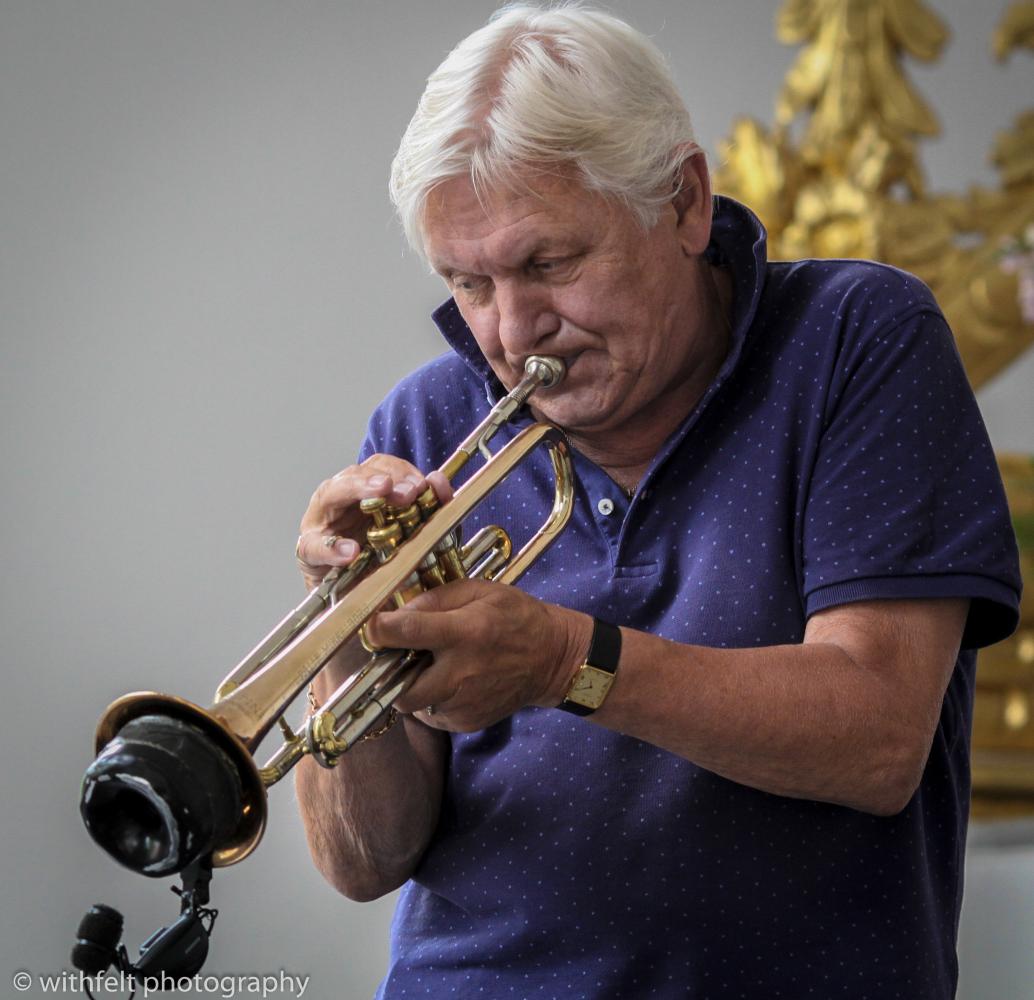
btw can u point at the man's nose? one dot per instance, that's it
(526, 317)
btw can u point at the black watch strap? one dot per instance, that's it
(595, 676)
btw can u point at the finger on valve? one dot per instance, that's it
(333, 520)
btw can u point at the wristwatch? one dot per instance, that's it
(595, 676)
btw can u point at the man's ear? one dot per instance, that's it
(692, 204)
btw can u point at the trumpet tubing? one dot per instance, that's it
(173, 782)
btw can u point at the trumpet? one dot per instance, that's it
(173, 783)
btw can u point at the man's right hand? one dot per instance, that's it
(333, 529)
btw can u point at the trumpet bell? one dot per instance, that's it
(170, 784)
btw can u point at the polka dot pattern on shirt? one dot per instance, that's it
(838, 456)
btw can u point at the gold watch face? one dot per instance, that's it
(590, 686)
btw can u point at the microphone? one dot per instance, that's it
(174, 952)
(97, 944)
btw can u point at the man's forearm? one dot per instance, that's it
(845, 716)
(369, 819)
(807, 721)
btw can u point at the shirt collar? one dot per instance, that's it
(738, 242)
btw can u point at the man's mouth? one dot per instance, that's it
(569, 361)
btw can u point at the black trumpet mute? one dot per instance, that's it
(160, 795)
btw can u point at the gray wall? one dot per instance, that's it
(202, 295)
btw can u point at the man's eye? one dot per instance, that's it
(551, 266)
(470, 287)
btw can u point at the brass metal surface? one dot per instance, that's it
(406, 551)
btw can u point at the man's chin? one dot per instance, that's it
(571, 414)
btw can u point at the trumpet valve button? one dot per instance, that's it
(427, 502)
(384, 539)
(409, 517)
(375, 507)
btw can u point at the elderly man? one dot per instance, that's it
(789, 537)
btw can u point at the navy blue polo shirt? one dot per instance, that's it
(838, 456)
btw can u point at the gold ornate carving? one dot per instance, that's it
(838, 175)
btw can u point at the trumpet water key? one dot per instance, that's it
(174, 782)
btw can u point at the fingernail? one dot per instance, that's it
(347, 547)
(376, 482)
(440, 484)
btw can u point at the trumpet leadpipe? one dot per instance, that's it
(174, 782)
(251, 709)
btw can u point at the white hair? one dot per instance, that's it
(555, 88)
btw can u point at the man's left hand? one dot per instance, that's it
(496, 650)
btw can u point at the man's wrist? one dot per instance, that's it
(594, 678)
(575, 636)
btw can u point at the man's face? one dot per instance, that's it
(567, 272)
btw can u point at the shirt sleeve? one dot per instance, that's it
(906, 500)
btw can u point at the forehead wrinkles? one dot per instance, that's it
(505, 227)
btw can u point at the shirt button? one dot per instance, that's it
(605, 507)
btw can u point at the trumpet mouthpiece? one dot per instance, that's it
(548, 370)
